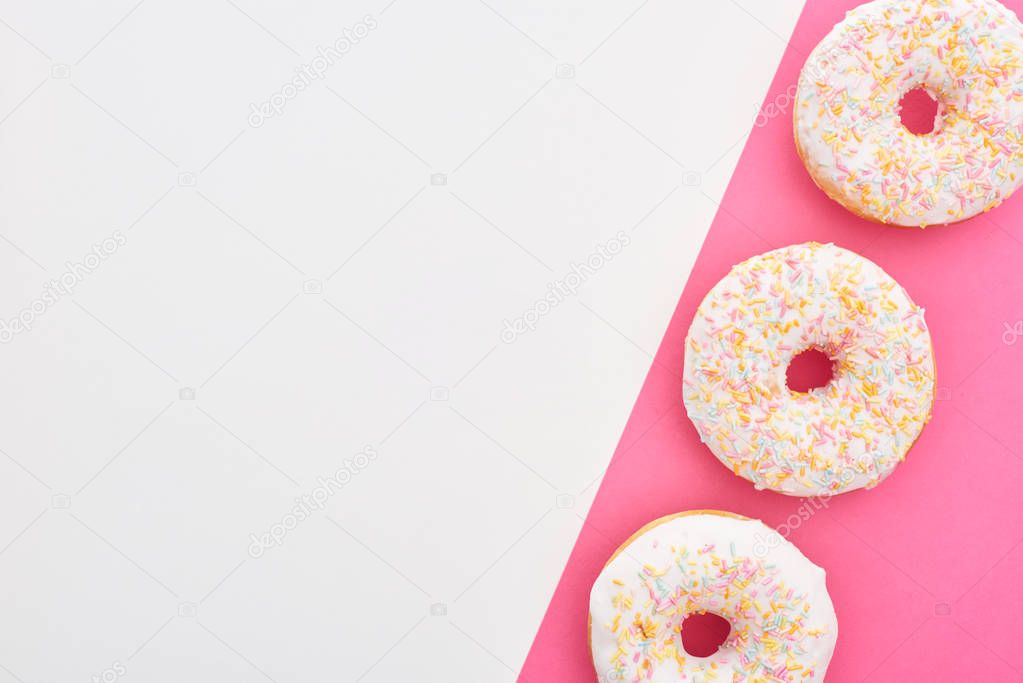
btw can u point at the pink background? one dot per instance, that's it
(925, 570)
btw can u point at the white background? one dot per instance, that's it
(335, 279)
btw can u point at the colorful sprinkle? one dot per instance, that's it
(968, 54)
(848, 434)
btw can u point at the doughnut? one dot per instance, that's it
(846, 435)
(968, 55)
(783, 623)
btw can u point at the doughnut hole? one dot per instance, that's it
(809, 370)
(920, 112)
(703, 634)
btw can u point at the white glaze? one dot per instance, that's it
(966, 53)
(846, 435)
(783, 621)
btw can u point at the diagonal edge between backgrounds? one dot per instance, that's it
(549, 628)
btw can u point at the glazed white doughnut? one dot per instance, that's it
(848, 434)
(968, 54)
(783, 622)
